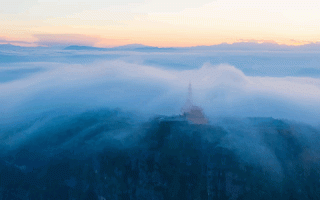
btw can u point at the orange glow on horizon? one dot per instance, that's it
(160, 23)
(84, 40)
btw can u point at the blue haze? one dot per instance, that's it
(95, 123)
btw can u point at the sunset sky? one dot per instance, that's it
(162, 23)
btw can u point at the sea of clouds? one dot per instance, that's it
(45, 99)
(222, 90)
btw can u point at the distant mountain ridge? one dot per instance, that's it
(130, 47)
(258, 46)
(242, 46)
(239, 46)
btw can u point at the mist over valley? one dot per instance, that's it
(87, 123)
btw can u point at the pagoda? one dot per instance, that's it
(193, 113)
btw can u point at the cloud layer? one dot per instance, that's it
(222, 90)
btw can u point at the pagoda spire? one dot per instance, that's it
(192, 112)
(189, 103)
(190, 93)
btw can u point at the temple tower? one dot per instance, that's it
(193, 113)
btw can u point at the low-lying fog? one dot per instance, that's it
(102, 108)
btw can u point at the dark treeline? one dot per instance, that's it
(105, 155)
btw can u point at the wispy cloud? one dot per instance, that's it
(221, 90)
(65, 39)
(4, 40)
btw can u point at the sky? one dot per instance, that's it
(164, 23)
